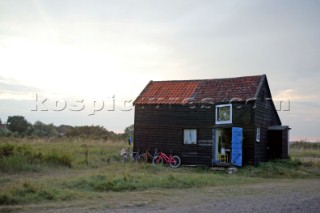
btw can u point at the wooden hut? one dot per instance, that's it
(211, 122)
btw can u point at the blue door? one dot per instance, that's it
(236, 146)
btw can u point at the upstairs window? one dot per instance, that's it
(224, 114)
(189, 136)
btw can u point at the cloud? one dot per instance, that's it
(296, 96)
(11, 89)
(93, 50)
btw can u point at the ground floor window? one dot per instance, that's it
(190, 136)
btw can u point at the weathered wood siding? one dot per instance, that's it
(162, 128)
(243, 116)
(265, 115)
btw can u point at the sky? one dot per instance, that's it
(80, 62)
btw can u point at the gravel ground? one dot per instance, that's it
(271, 196)
(291, 196)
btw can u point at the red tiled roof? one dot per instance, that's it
(214, 90)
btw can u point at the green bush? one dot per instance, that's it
(30, 192)
(305, 145)
(6, 150)
(274, 169)
(7, 200)
(57, 158)
(4, 132)
(16, 163)
(21, 158)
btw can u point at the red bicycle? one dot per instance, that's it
(174, 161)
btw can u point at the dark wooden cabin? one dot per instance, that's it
(211, 122)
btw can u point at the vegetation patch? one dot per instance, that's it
(275, 169)
(22, 158)
(304, 162)
(305, 149)
(77, 168)
(30, 192)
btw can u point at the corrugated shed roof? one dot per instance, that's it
(216, 90)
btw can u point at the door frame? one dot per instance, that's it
(215, 146)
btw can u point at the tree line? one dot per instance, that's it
(18, 126)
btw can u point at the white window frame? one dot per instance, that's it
(190, 136)
(229, 121)
(258, 135)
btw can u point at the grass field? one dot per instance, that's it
(56, 170)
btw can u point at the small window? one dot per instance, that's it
(190, 136)
(224, 114)
(258, 135)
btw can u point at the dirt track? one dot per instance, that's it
(272, 196)
(291, 196)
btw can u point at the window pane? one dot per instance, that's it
(190, 136)
(258, 135)
(224, 114)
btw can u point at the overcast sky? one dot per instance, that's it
(94, 51)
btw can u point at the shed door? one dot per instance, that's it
(274, 144)
(236, 146)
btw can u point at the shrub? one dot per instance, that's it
(16, 163)
(304, 145)
(7, 200)
(274, 169)
(56, 158)
(15, 158)
(6, 150)
(4, 132)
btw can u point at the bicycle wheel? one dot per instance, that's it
(175, 162)
(142, 159)
(157, 160)
(124, 158)
(135, 157)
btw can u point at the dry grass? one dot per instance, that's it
(102, 172)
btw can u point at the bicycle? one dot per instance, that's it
(148, 156)
(125, 155)
(137, 157)
(174, 160)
